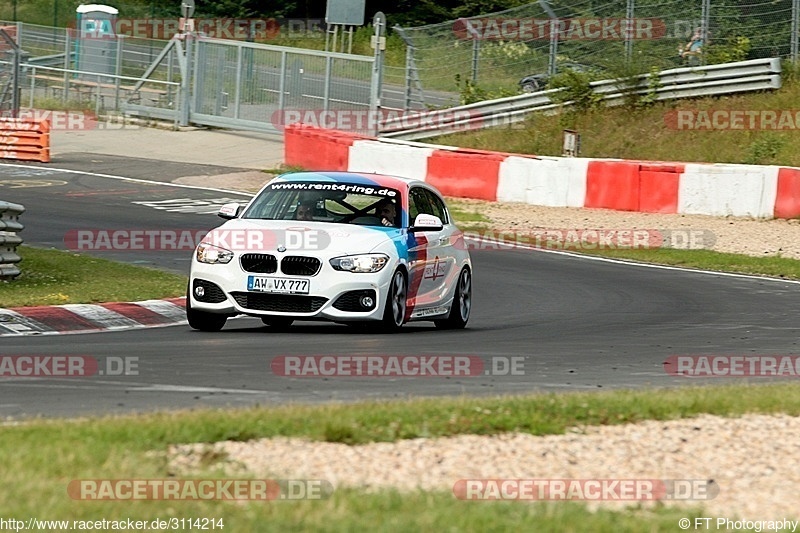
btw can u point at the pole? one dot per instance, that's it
(379, 24)
(795, 23)
(629, 30)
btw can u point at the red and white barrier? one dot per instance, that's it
(645, 186)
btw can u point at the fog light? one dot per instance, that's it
(199, 291)
(367, 302)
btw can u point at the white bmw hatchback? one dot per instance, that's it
(338, 246)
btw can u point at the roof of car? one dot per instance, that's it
(361, 178)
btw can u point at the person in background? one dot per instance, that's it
(694, 48)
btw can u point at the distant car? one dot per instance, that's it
(371, 249)
(538, 82)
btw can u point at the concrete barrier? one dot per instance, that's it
(646, 186)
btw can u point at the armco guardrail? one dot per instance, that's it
(9, 240)
(691, 82)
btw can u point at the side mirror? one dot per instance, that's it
(229, 211)
(426, 223)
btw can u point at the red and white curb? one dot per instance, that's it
(84, 318)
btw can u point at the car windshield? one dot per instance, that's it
(338, 203)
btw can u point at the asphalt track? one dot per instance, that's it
(577, 323)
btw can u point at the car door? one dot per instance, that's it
(431, 258)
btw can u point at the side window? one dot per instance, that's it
(417, 203)
(437, 206)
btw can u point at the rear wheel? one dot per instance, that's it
(202, 320)
(394, 314)
(462, 304)
(277, 322)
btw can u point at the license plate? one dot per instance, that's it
(278, 285)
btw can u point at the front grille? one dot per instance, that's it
(213, 294)
(259, 263)
(349, 301)
(279, 303)
(297, 265)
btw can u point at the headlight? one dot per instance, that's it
(208, 253)
(360, 263)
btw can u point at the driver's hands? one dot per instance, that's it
(386, 222)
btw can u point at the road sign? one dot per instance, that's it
(187, 8)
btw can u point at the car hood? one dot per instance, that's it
(316, 238)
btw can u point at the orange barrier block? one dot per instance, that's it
(465, 174)
(787, 201)
(27, 140)
(317, 149)
(658, 188)
(613, 185)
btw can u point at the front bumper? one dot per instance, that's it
(333, 295)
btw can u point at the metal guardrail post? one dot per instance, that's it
(9, 240)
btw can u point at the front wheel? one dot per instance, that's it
(462, 304)
(203, 321)
(394, 314)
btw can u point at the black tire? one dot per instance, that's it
(530, 87)
(394, 312)
(203, 321)
(462, 303)
(277, 322)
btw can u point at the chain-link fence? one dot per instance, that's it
(9, 72)
(618, 38)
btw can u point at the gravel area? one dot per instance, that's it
(752, 458)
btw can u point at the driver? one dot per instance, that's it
(387, 212)
(305, 210)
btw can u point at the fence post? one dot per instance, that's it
(379, 25)
(554, 33)
(118, 71)
(629, 30)
(186, 78)
(706, 16)
(282, 81)
(237, 98)
(795, 24)
(326, 91)
(476, 52)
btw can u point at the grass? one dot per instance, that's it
(772, 266)
(51, 277)
(39, 458)
(648, 133)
